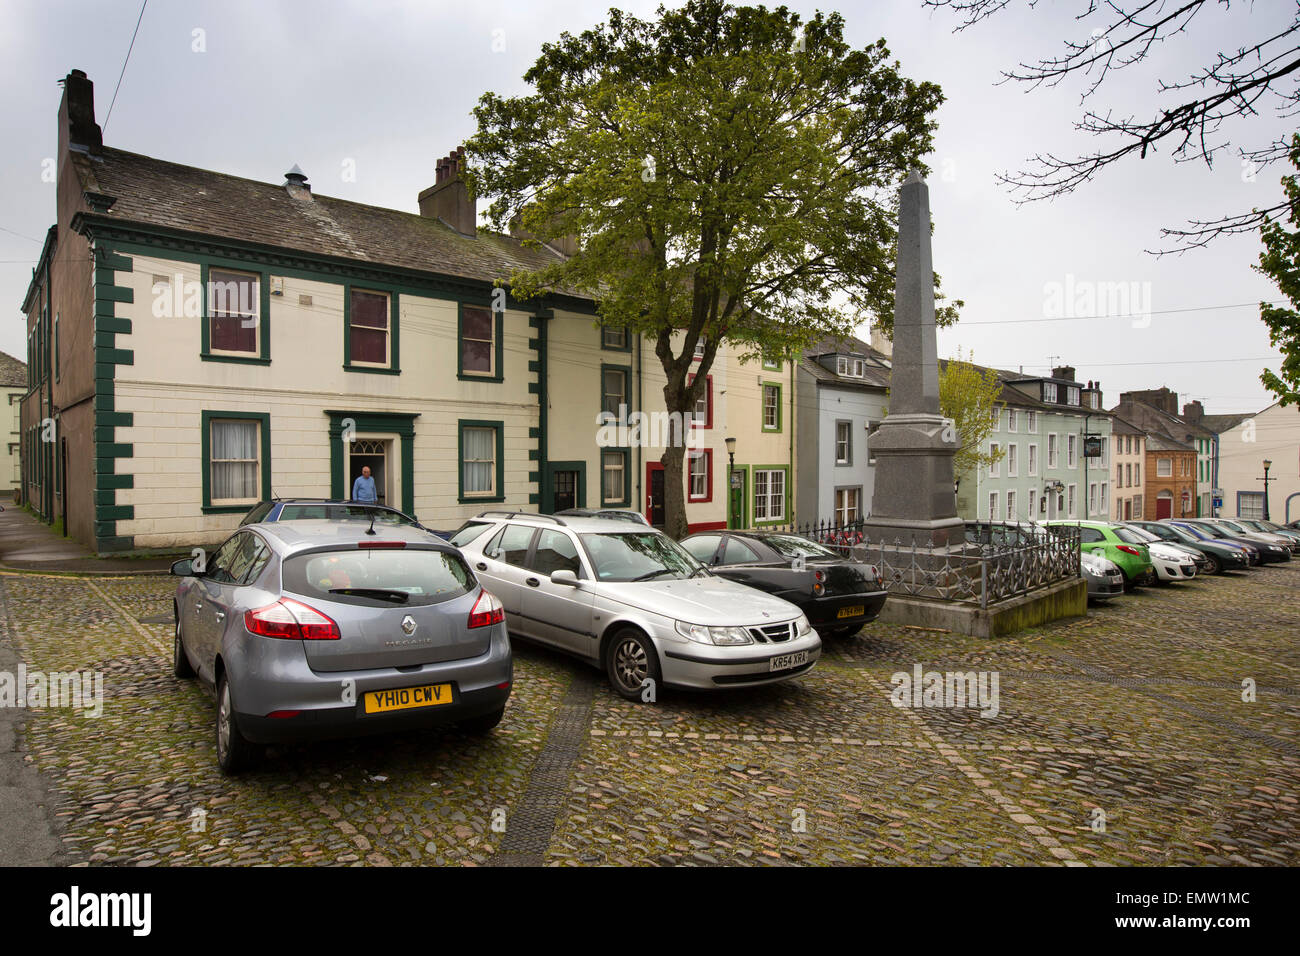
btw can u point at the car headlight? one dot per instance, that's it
(802, 627)
(718, 636)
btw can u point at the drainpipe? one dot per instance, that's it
(640, 366)
(793, 476)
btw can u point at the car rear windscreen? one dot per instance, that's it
(425, 576)
(468, 532)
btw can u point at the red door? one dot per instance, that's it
(1164, 508)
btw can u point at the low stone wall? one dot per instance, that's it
(1064, 599)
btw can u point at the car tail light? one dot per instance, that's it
(1127, 549)
(292, 621)
(378, 545)
(487, 611)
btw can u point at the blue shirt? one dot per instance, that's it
(363, 489)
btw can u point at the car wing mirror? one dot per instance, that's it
(184, 569)
(567, 578)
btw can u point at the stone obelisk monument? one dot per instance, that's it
(914, 498)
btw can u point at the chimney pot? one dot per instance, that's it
(448, 199)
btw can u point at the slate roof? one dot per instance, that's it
(13, 372)
(1218, 424)
(155, 192)
(874, 377)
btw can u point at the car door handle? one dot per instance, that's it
(482, 566)
(532, 582)
(221, 615)
(198, 605)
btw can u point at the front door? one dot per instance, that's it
(372, 453)
(1164, 508)
(655, 499)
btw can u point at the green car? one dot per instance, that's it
(1118, 544)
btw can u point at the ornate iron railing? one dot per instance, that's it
(996, 562)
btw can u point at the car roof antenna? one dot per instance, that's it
(372, 523)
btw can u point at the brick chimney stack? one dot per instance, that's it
(448, 199)
(77, 127)
(1193, 412)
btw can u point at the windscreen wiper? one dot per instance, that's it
(379, 594)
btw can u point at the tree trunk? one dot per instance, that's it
(674, 492)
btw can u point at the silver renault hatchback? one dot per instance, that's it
(335, 628)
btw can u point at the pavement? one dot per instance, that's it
(27, 544)
(1161, 729)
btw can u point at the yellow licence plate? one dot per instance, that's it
(856, 610)
(406, 698)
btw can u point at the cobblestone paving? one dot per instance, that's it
(1121, 738)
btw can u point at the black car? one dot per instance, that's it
(1221, 557)
(837, 595)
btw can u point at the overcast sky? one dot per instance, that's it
(388, 87)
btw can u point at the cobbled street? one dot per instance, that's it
(1121, 738)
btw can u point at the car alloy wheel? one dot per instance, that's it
(234, 751)
(632, 660)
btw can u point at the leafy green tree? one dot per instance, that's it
(967, 395)
(1280, 261)
(728, 175)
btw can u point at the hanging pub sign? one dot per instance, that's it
(1091, 446)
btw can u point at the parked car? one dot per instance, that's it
(307, 629)
(1237, 527)
(1268, 527)
(1171, 561)
(1121, 545)
(635, 603)
(617, 514)
(1105, 579)
(1219, 556)
(326, 509)
(837, 595)
(1253, 550)
(1269, 551)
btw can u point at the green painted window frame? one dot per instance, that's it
(626, 500)
(753, 494)
(626, 371)
(772, 365)
(627, 341)
(762, 408)
(394, 366)
(498, 350)
(500, 427)
(263, 356)
(207, 416)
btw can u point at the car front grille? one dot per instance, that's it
(772, 633)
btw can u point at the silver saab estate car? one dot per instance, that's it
(312, 629)
(635, 603)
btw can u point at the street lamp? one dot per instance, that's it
(1266, 479)
(732, 518)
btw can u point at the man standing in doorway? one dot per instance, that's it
(363, 489)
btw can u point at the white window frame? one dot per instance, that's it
(1012, 419)
(1031, 422)
(993, 506)
(995, 467)
(1072, 500)
(1011, 504)
(1033, 460)
(1013, 462)
(1049, 392)
(1164, 467)
(846, 442)
(1071, 451)
(1053, 451)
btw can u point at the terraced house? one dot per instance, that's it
(1046, 426)
(200, 342)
